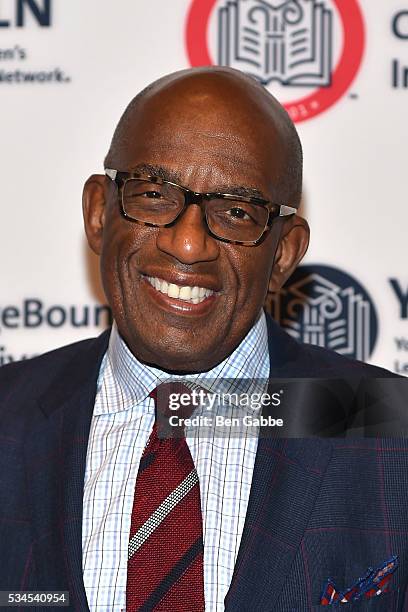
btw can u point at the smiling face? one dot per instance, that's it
(182, 299)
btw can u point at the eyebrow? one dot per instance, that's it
(173, 177)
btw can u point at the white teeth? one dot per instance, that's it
(173, 291)
(185, 293)
(194, 295)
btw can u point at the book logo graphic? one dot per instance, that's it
(306, 52)
(324, 306)
(288, 42)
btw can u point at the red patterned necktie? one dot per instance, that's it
(165, 555)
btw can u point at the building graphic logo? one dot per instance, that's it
(290, 43)
(287, 42)
(324, 306)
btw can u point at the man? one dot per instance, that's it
(87, 487)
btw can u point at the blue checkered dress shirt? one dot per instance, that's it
(122, 420)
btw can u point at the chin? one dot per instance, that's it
(177, 359)
(180, 362)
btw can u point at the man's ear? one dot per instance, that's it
(292, 247)
(93, 209)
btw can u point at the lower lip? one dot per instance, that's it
(181, 307)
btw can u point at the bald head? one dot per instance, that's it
(219, 103)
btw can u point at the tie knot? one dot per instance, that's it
(174, 403)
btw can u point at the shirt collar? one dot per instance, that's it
(135, 380)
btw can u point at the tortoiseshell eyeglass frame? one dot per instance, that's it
(120, 178)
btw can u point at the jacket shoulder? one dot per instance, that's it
(325, 359)
(37, 373)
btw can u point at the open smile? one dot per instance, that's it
(185, 299)
(194, 295)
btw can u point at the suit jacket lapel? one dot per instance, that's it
(56, 460)
(286, 481)
(287, 478)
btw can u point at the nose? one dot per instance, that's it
(188, 240)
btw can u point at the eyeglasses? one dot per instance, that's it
(152, 201)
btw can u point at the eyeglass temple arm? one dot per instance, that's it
(111, 173)
(284, 211)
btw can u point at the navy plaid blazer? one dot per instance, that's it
(319, 508)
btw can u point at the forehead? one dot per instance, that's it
(196, 157)
(206, 138)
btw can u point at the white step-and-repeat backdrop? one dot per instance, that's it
(69, 68)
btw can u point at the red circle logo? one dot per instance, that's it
(284, 41)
